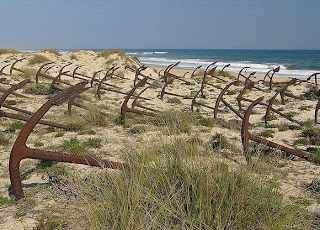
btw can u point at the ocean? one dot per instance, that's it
(293, 63)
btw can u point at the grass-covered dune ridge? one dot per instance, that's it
(179, 185)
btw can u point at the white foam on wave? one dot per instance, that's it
(234, 67)
(29, 50)
(147, 53)
(160, 52)
(63, 52)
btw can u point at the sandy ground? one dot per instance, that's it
(294, 175)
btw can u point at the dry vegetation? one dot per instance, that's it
(54, 52)
(187, 170)
(38, 59)
(8, 51)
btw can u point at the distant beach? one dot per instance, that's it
(293, 63)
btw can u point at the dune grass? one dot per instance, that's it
(73, 57)
(175, 122)
(28, 73)
(179, 186)
(54, 52)
(9, 51)
(38, 59)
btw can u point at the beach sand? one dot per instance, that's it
(293, 175)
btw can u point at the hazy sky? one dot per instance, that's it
(245, 24)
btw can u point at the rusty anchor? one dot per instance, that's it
(67, 74)
(93, 78)
(315, 77)
(242, 75)
(275, 70)
(159, 73)
(246, 136)
(13, 93)
(168, 79)
(61, 71)
(221, 99)
(316, 112)
(10, 91)
(282, 94)
(21, 151)
(53, 79)
(167, 74)
(249, 86)
(52, 87)
(138, 73)
(2, 70)
(125, 109)
(204, 79)
(14, 68)
(39, 72)
(194, 102)
(114, 89)
(222, 70)
(194, 71)
(75, 74)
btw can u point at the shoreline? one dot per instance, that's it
(182, 71)
(292, 65)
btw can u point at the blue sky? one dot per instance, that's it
(231, 24)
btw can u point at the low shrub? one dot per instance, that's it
(73, 146)
(59, 135)
(313, 93)
(174, 100)
(267, 133)
(38, 144)
(38, 59)
(36, 89)
(93, 143)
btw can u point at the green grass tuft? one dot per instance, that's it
(171, 187)
(73, 146)
(302, 141)
(49, 222)
(93, 143)
(60, 134)
(38, 59)
(38, 144)
(312, 93)
(16, 125)
(5, 200)
(137, 129)
(313, 134)
(36, 89)
(267, 133)
(87, 132)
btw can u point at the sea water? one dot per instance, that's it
(293, 63)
